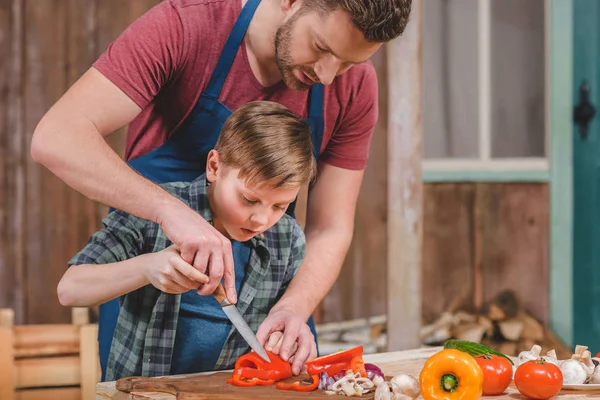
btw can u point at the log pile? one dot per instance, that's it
(502, 325)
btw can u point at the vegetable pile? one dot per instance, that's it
(343, 373)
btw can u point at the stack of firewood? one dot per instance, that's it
(502, 325)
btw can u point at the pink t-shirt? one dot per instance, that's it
(164, 61)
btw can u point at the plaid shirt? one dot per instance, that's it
(145, 333)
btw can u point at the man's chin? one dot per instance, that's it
(294, 83)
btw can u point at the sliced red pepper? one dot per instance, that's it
(299, 386)
(334, 363)
(251, 370)
(241, 381)
(332, 370)
(358, 365)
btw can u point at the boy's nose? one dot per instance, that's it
(259, 220)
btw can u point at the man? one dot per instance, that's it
(175, 75)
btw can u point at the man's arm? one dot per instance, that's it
(69, 141)
(329, 229)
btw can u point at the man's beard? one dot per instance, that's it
(284, 58)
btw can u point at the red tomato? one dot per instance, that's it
(538, 379)
(497, 373)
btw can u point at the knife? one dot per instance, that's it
(240, 324)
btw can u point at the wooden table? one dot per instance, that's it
(408, 361)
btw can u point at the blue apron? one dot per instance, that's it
(183, 156)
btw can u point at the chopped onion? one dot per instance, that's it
(373, 370)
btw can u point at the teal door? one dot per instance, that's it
(586, 174)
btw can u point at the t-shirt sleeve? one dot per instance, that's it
(147, 54)
(349, 145)
(121, 238)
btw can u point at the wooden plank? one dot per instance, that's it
(12, 153)
(560, 111)
(89, 361)
(46, 340)
(514, 229)
(73, 393)
(81, 53)
(358, 291)
(447, 247)
(33, 335)
(47, 221)
(7, 371)
(405, 147)
(7, 318)
(51, 371)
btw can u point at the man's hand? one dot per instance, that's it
(288, 335)
(201, 246)
(167, 272)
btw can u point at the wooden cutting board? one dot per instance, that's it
(214, 386)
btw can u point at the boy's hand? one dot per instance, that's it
(169, 273)
(201, 246)
(288, 335)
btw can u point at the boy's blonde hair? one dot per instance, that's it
(267, 143)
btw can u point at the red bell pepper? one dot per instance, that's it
(251, 370)
(300, 386)
(334, 363)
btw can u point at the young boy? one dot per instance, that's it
(262, 158)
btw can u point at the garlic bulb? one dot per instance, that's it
(574, 372)
(528, 355)
(595, 376)
(552, 358)
(405, 384)
(400, 387)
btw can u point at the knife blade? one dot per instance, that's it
(239, 323)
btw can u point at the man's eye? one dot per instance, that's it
(321, 49)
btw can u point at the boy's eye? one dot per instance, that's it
(281, 208)
(247, 200)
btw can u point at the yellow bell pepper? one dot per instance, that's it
(451, 375)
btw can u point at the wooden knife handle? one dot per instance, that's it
(219, 294)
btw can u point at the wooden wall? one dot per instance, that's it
(45, 45)
(479, 238)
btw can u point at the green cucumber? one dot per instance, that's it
(472, 348)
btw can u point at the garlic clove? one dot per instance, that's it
(405, 384)
(383, 392)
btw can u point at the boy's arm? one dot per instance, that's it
(119, 247)
(99, 272)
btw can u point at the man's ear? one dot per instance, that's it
(212, 166)
(289, 5)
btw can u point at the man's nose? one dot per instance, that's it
(327, 68)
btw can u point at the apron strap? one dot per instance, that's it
(230, 49)
(315, 114)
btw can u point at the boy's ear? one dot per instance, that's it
(212, 166)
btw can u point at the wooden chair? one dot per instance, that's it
(52, 362)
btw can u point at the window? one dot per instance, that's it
(484, 85)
